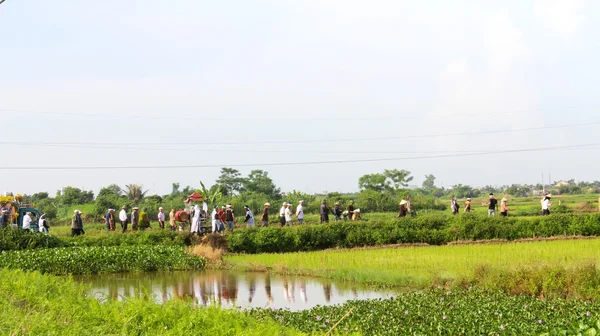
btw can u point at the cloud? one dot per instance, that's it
(487, 91)
(504, 43)
(562, 17)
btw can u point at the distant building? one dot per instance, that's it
(561, 183)
(538, 193)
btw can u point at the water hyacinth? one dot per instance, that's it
(411, 313)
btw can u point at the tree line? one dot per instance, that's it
(378, 192)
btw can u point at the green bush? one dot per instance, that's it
(160, 237)
(16, 239)
(92, 260)
(433, 229)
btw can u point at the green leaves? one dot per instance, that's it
(99, 259)
(443, 312)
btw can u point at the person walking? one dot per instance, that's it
(43, 224)
(282, 214)
(172, 220)
(324, 212)
(230, 217)
(108, 219)
(135, 219)
(215, 219)
(195, 227)
(454, 205)
(546, 205)
(300, 212)
(123, 218)
(288, 215)
(264, 219)
(403, 209)
(337, 211)
(27, 222)
(249, 219)
(76, 224)
(161, 218)
(492, 205)
(144, 220)
(3, 218)
(351, 210)
(468, 205)
(504, 207)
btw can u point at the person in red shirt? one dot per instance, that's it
(222, 216)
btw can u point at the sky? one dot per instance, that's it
(316, 92)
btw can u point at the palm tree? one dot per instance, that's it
(134, 193)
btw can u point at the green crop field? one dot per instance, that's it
(498, 266)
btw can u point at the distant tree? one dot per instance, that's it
(429, 182)
(175, 189)
(390, 181)
(517, 191)
(230, 181)
(72, 196)
(35, 198)
(258, 181)
(112, 189)
(463, 191)
(374, 182)
(399, 178)
(135, 193)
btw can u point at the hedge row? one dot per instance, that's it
(92, 260)
(430, 229)
(12, 239)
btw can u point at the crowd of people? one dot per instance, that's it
(221, 218)
(224, 218)
(493, 206)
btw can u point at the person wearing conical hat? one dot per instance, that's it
(403, 209)
(504, 207)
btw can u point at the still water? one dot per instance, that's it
(230, 289)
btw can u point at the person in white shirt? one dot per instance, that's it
(288, 215)
(249, 219)
(300, 212)
(42, 225)
(196, 220)
(546, 205)
(161, 218)
(282, 214)
(27, 221)
(123, 218)
(215, 219)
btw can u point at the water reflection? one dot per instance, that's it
(229, 289)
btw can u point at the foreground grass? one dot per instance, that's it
(35, 304)
(548, 268)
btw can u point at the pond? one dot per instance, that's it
(230, 289)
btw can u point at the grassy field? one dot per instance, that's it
(35, 304)
(547, 264)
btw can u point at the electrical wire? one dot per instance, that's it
(404, 137)
(300, 163)
(412, 116)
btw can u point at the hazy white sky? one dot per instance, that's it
(159, 72)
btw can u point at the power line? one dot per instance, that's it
(371, 118)
(245, 150)
(405, 137)
(301, 163)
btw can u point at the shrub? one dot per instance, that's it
(433, 229)
(16, 239)
(92, 260)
